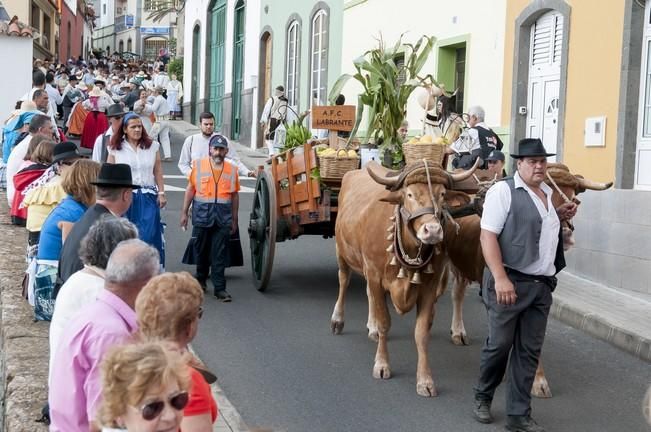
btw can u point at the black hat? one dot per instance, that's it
(65, 150)
(115, 175)
(218, 141)
(495, 155)
(280, 88)
(99, 81)
(115, 110)
(531, 147)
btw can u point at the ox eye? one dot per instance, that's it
(410, 195)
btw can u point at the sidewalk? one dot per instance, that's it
(620, 318)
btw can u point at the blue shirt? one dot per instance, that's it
(50, 243)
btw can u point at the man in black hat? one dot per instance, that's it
(520, 239)
(114, 113)
(114, 189)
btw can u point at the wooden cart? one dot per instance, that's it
(289, 201)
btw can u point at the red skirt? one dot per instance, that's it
(94, 125)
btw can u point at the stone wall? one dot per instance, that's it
(24, 347)
(613, 239)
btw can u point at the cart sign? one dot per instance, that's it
(335, 117)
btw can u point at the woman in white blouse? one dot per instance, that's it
(132, 146)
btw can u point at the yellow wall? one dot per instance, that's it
(593, 79)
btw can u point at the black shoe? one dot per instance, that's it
(523, 424)
(223, 296)
(482, 411)
(202, 282)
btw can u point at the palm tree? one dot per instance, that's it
(166, 7)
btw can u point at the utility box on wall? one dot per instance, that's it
(595, 132)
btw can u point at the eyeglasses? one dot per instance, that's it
(200, 312)
(152, 410)
(66, 162)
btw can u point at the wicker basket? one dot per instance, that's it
(418, 152)
(337, 166)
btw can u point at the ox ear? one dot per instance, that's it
(392, 198)
(456, 198)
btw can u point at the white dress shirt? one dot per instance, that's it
(53, 94)
(197, 147)
(97, 147)
(468, 141)
(496, 209)
(160, 106)
(140, 160)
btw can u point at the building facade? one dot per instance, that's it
(75, 29)
(300, 46)
(43, 16)
(468, 55)
(125, 26)
(221, 68)
(587, 95)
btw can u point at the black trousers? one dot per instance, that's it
(515, 337)
(211, 253)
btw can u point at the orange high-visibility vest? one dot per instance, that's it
(213, 185)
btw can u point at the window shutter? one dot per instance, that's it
(547, 39)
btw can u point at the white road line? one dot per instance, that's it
(169, 188)
(174, 176)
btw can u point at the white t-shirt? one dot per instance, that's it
(13, 165)
(140, 160)
(78, 291)
(196, 147)
(496, 209)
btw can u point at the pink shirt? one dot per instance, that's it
(75, 384)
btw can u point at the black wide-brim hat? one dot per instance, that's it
(64, 151)
(115, 110)
(115, 176)
(531, 147)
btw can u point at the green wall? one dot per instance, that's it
(276, 14)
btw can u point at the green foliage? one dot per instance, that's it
(176, 67)
(387, 85)
(296, 135)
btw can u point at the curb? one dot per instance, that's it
(24, 344)
(597, 326)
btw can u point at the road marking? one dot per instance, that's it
(173, 176)
(170, 188)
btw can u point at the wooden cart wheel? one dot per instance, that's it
(262, 230)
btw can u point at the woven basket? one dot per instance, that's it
(418, 152)
(337, 166)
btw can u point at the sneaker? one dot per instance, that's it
(523, 424)
(223, 296)
(482, 411)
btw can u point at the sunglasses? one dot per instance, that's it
(200, 312)
(152, 410)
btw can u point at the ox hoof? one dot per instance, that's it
(381, 371)
(373, 335)
(460, 339)
(426, 388)
(540, 389)
(337, 327)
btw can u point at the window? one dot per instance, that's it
(47, 32)
(104, 9)
(293, 40)
(36, 17)
(646, 109)
(129, 45)
(459, 77)
(121, 46)
(319, 57)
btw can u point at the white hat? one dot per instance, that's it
(95, 92)
(82, 86)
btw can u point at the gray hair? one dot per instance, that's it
(111, 194)
(103, 237)
(132, 261)
(478, 112)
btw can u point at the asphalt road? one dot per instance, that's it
(281, 367)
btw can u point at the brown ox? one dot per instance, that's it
(464, 251)
(413, 211)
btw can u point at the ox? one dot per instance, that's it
(464, 251)
(404, 259)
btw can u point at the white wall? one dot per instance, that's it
(16, 80)
(484, 20)
(195, 12)
(108, 18)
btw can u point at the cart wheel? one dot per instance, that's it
(262, 230)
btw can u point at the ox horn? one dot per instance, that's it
(384, 181)
(593, 185)
(463, 175)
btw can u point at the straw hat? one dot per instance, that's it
(95, 92)
(82, 86)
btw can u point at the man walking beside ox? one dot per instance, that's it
(520, 239)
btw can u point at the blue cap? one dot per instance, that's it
(218, 141)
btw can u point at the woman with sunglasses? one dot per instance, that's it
(132, 145)
(144, 388)
(169, 308)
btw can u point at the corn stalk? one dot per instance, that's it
(387, 85)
